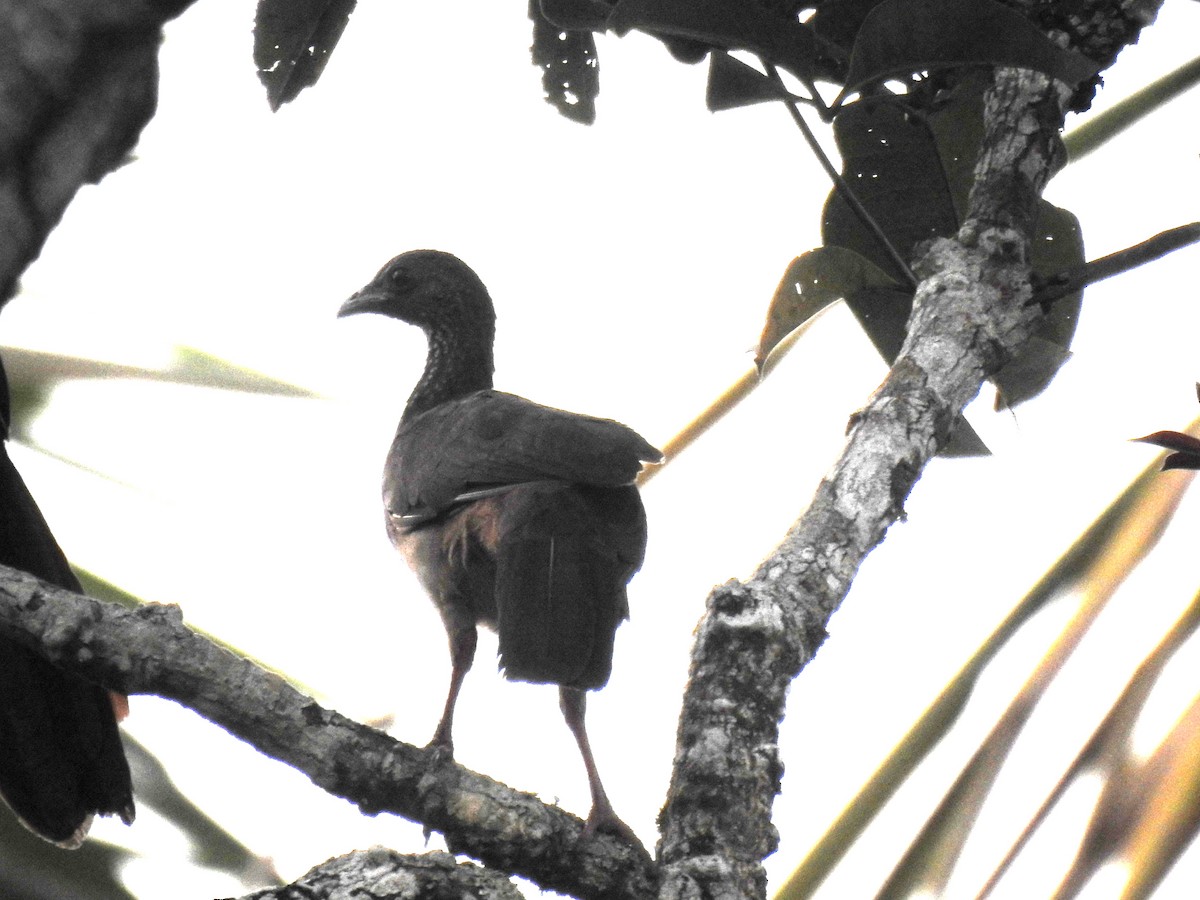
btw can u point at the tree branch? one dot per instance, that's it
(1121, 261)
(394, 876)
(150, 651)
(969, 317)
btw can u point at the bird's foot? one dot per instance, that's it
(603, 819)
(440, 750)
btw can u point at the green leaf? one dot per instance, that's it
(811, 283)
(292, 42)
(211, 845)
(1096, 566)
(198, 367)
(1128, 807)
(1099, 129)
(900, 37)
(730, 24)
(732, 83)
(33, 373)
(570, 67)
(1097, 562)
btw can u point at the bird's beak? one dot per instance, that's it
(363, 301)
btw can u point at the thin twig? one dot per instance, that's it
(1064, 283)
(839, 182)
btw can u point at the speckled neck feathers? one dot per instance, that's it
(459, 361)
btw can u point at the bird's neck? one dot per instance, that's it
(458, 364)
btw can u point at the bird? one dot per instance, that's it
(515, 516)
(61, 758)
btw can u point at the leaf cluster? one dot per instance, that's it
(907, 118)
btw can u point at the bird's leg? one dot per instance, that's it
(462, 654)
(573, 703)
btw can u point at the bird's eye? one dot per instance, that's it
(399, 277)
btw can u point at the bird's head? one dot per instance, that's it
(427, 288)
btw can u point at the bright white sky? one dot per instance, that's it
(631, 264)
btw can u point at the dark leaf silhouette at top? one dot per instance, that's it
(732, 83)
(570, 67)
(839, 21)
(905, 36)
(890, 161)
(571, 15)
(730, 24)
(292, 42)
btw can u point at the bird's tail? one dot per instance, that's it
(560, 581)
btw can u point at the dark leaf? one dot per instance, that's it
(890, 161)
(1188, 447)
(883, 314)
(914, 175)
(685, 50)
(730, 24)
(732, 83)
(574, 15)
(1172, 440)
(570, 67)
(900, 37)
(1181, 461)
(292, 43)
(957, 128)
(1057, 247)
(839, 21)
(812, 282)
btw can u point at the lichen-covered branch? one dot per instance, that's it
(382, 874)
(149, 650)
(970, 315)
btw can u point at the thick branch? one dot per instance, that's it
(388, 875)
(150, 651)
(970, 315)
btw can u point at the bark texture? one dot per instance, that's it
(971, 314)
(380, 874)
(77, 84)
(151, 651)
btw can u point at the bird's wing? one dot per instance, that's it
(490, 439)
